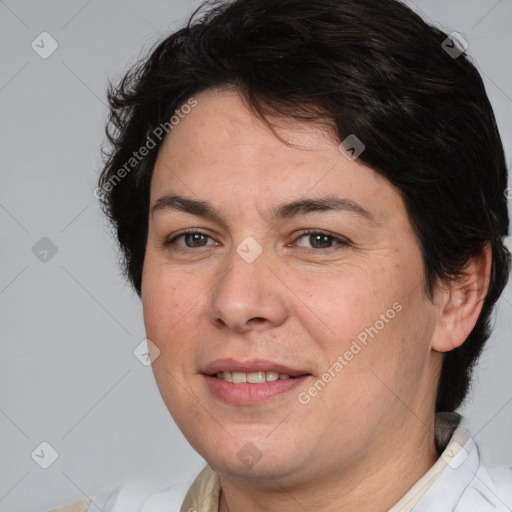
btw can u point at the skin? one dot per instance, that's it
(367, 436)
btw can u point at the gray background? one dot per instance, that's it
(70, 324)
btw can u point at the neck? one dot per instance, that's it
(374, 486)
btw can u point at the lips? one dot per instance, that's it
(241, 391)
(229, 365)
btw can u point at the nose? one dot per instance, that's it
(247, 295)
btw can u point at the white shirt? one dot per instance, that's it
(457, 482)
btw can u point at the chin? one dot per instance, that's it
(250, 459)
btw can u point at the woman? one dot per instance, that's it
(311, 201)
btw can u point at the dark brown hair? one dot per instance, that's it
(373, 68)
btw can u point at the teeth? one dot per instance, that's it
(256, 377)
(239, 377)
(252, 377)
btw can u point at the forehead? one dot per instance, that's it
(221, 152)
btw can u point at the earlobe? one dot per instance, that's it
(461, 302)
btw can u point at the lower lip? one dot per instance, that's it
(248, 394)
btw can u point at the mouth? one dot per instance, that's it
(253, 377)
(255, 371)
(251, 382)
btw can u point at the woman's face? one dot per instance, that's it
(249, 290)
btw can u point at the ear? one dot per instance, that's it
(461, 301)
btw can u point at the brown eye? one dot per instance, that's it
(194, 239)
(321, 240)
(191, 240)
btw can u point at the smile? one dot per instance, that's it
(253, 381)
(252, 377)
(241, 391)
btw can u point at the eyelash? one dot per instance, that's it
(341, 242)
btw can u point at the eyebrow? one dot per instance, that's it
(280, 212)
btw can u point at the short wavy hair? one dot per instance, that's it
(372, 68)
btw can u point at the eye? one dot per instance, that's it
(192, 239)
(321, 239)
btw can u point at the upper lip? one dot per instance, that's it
(249, 366)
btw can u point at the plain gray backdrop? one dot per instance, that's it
(69, 324)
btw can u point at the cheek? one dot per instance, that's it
(346, 302)
(168, 305)
(371, 311)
